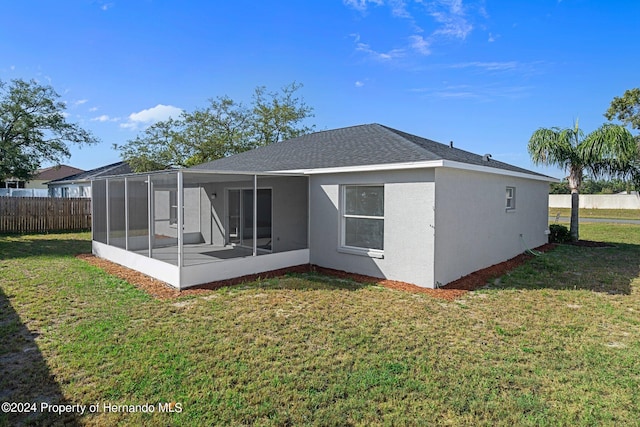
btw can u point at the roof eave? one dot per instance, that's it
(366, 168)
(489, 169)
(420, 165)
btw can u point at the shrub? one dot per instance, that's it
(559, 234)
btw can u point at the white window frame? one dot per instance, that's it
(356, 250)
(510, 199)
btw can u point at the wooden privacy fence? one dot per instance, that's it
(42, 214)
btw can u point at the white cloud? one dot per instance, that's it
(380, 56)
(361, 5)
(93, 109)
(102, 118)
(359, 83)
(451, 14)
(488, 66)
(482, 93)
(107, 6)
(80, 102)
(419, 44)
(399, 9)
(447, 18)
(151, 115)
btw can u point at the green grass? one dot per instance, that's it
(598, 213)
(553, 342)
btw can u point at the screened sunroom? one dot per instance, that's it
(189, 227)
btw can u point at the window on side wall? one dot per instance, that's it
(362, 211)
(511, 198)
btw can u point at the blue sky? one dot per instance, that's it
(485, 74)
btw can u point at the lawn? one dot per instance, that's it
(555, 342)
(598, 213)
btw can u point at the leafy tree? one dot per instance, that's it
(627, 110)
(279, 116)
(219, 130)
(156, 148)
(592, 186)
(606, 151)
(222, 128)
(34, 129)
(561, 187)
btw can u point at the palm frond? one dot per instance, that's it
(609, 150)
(552, 146)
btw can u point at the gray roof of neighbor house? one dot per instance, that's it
(119, 168)
(362, 145)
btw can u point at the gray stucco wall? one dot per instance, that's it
(191, 214)
(289, 211)
(474, 230)
(408, 220)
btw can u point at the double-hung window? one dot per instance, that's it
(362, 211)
(511, 198)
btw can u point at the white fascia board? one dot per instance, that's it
(248, 173)
(367, 168)
(487, 169)
(420, 165)
(198, 171)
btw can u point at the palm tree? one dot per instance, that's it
(609, 150)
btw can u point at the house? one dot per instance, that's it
(51, 173)
(37, 187)
(79, 184)
(365, 199)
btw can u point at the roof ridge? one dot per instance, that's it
(401, 135)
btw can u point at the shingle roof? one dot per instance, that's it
(119, 168)
(362, 145)
(57, 172)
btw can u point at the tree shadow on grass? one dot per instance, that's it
(609, 270)
(25, 376)
(13, 247)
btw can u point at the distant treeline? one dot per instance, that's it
(590, 186)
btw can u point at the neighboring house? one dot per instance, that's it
(52, 173)
(37, 187)
(364, 199)
(79, 184)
